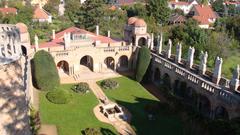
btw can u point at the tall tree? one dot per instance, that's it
(52, 7)
(159, 10)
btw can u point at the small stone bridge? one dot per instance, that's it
(212, 95)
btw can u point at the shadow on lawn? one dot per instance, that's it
(93, 131)
(151, 117)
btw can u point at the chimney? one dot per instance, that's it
(53, 34)
(97, 30)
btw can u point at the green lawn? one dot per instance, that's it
(73, 117)
(134, 97)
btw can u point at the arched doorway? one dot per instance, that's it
(142, 41)
(63, 66)
(87, 61)
(221, 113)
(109, 62)
(123, 63)
(167, 81)
(157, 76)
(24, 50)
(204, 105)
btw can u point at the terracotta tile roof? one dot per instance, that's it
(232, 2)
(22, 27)
(180, 2)
(59, 37)
(40, 13)
(205, 11)
(201, 20)
(8, 10)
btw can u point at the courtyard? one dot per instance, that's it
(77, 115)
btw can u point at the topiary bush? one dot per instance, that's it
(45, 73)
(109, 84)
(58, 96)
(143, 61)
(82, 87)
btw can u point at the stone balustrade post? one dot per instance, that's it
(234, 83)
(169, 50)
(190, 59)
(203, 64)
(179, 53)
(217, 70)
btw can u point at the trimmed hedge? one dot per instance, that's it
(143, 61)
(109, 84)
(58, 96)
(45, 72)
(82, 87)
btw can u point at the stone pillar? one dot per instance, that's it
(203, 64)
(179, 53)
(36, 43)
(66, 40)
(152, 42)
(160, 40)
(190, 59)
(6, 50)
(1, 55)
(217, 70)
(109, 33)
(97, 30)
(169, 49)
(234, 83)
(53, 34)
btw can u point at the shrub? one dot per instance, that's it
(58, 96)
(143, 61)
(92, 131)
(45, 72)
(35, 122)
(82, 87)
(109, 84)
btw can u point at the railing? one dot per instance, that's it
(219, 91)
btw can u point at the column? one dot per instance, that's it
(36, 43)
(1, 55)
(12, 46)
(203, 64)
(6, 50)
(97, 30)
(169, 50)
(160, 40)
(152, 42)
(234, 83)
(109, 33)
(179, 53)
(217, 70)
(190, 60)
(53, 34)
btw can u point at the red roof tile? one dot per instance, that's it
(59, 37)
(8, 10)
(40, 13)
(205, 11)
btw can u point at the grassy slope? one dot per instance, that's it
(134, 97)
(73, 117)
(230, 63)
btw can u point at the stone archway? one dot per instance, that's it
(142, 41)
(110, 63)
(24, 50)
(157, 76)
(204, 105)
(167, 81)
(221, 113)
(63, 66)
(87, 61)
(123, 63)
(190, 96)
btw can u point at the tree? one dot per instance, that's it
(92, 13)
(52, 7)
(143, 61)
(159, 10)
(45, 72)
(218, 6)
(72, 8)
